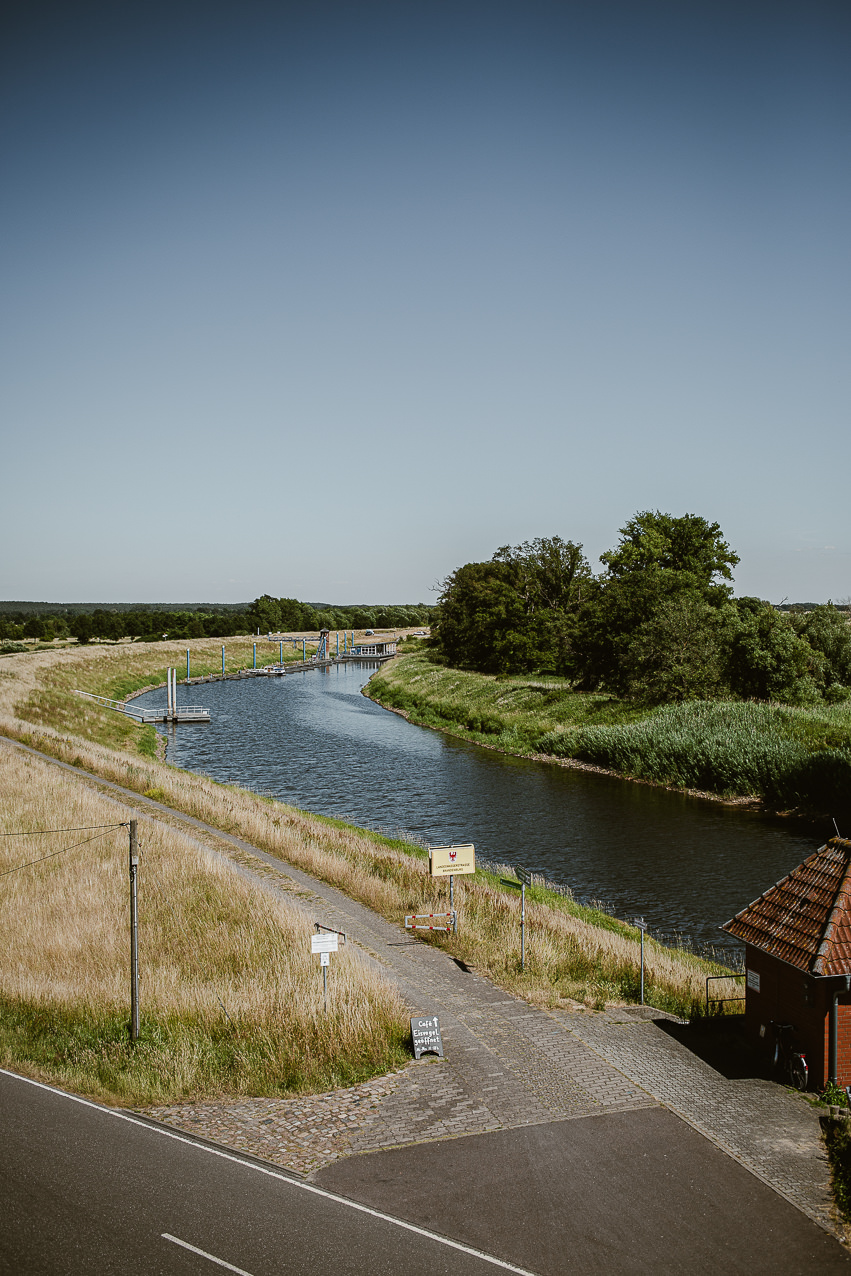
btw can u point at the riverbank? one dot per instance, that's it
(778, 757)
(580, 955)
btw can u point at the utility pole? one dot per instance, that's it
(134, 935)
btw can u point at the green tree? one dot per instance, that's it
(662, 542)
(553, 577)
(659, 578)
(677, 653)
(767, 659)
(828, 631)
(482, 622)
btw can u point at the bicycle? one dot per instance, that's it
(789, 1062)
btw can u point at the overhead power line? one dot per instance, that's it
(77, 828)
(85, 842)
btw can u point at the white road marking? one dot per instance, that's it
(240, 1271)
(275, 1174)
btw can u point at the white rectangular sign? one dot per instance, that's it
(446, 860)
(753, 980)
(324, 959)
(324, 943)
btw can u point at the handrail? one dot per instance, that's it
(719, 1001)
(105, 701)
(120, 706)
(450, 920)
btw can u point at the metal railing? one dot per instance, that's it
(119, 705)
(432, 921)
(720, 1001)
(144, 715)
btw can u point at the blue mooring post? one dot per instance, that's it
(304, 651)
(223, 662)
(187, 664)
(255, 655)
(282, 651)
(338, 642)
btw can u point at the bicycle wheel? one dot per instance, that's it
(799, 1072)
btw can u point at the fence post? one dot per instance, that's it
(642, 926)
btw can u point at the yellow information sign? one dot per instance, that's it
(446, 860)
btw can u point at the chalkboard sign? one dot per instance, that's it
(425, 1034)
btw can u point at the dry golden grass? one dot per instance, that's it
(231, 996)
(573, 952)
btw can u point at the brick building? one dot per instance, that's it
(797, 940)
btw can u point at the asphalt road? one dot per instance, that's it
(628, 1192)
(83, 1190)
(86, 1190)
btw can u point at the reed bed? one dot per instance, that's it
(575, 952)
(231, 997)
(787, 756)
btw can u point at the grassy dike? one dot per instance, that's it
(231, 1000)
(787, 757)
(573, 954)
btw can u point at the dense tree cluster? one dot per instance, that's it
(658, 624)
(149, 624)
(146, 625)
(275, 615)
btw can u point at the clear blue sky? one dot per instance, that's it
(323, 300)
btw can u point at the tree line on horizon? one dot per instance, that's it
(266, 613)
(659, 623)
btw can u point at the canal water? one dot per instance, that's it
(313, 740)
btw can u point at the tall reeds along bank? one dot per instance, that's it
(231, 998)
(789, 756)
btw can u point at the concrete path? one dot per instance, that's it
(508, 1066)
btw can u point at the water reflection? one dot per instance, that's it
(314, 741)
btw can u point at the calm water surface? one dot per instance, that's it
(315, 742)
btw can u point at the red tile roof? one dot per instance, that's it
(806, 918)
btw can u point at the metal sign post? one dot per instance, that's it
(446, 861)
(325, 943)
(525, 876)
(642, 926)
(134, 935)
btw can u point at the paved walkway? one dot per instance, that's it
(507, 1065)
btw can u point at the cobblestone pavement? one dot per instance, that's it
(507, 1064)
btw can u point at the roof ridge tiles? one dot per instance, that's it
(805, 918)
(841, 903)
